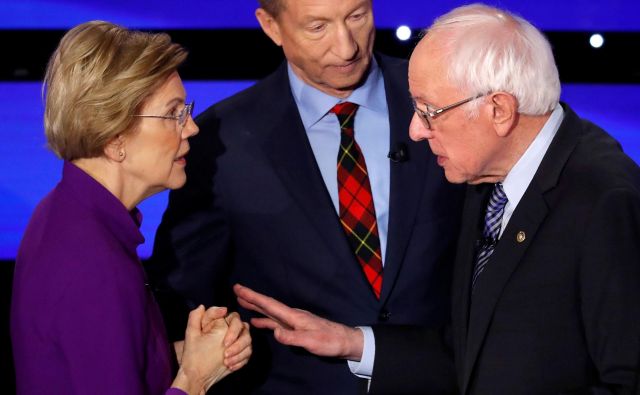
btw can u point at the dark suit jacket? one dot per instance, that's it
(558, 312)
(255, 210)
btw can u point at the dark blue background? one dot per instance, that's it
(611, 15)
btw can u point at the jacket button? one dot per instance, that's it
(384, 316)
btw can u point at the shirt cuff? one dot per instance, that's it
(364, 368)
(175, 391)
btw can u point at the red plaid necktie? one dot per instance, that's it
(357, 212)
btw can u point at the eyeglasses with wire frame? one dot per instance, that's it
(181, 118)
(428, 115)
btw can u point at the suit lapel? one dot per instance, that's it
(290, 152)
(528, 216)
(407, 177)
(287, 147)
(475, 200)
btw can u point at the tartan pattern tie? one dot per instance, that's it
(357, 212)
(491, 231)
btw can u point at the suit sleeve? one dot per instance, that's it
(610, 290)
(412, 360)
(191, 247)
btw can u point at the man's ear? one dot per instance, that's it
(269, 26)
(505, 112)
(115, 149)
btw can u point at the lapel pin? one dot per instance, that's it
(521, 236)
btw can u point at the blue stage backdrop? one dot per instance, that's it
(584, 15)
(29, 170)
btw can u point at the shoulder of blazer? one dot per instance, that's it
(261, 98)
(274, 91)
(395, 72)
(391, 63)
(583, 153)
(247, 116)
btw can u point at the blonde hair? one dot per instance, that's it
(98, 77)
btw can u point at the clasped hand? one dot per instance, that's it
(215, 345)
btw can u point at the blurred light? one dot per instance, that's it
(403, 32)
(596, 40)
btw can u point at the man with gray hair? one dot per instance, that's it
(546, 281)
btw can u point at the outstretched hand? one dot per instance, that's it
(295, 327)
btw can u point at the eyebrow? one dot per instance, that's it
(421, 100)
(309, 19)
(174, 101)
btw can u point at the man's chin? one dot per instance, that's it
(455, 178)
(351, 80)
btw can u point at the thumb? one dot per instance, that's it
(194, 322)
(213, 313)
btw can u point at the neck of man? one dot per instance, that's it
(513, 148)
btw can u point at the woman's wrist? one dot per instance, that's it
(188, 384)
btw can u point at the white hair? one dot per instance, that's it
(490, 50)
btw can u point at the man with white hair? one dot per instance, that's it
(547, 275)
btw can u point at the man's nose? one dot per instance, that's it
(418, 130)
(345, 45)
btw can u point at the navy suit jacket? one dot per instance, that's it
(255, 210)
(556, 311)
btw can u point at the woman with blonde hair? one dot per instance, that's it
(82, 318)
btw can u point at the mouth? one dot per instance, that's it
(182, 160)
(347, 66)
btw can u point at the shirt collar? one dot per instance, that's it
(314, 104)
(520, 176)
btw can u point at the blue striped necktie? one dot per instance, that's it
(491, 231)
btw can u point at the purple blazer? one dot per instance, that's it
(82, 319)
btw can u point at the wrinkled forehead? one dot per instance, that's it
(322, 9)
(426, 65)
